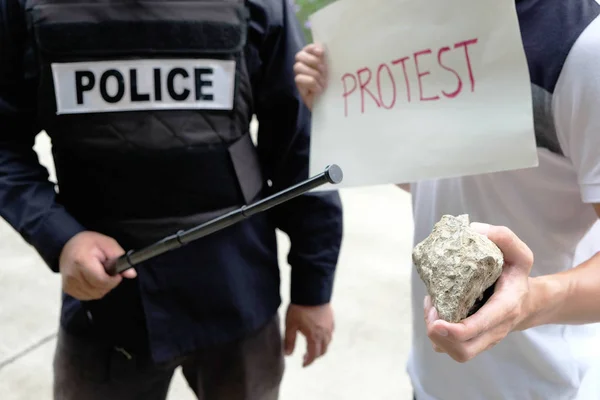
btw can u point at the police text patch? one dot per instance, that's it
(108, 86)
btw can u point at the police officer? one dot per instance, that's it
(148, 105)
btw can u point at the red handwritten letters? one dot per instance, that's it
(398, 73)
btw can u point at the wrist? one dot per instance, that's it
(52, 236)
(546, 294)
(305, 297)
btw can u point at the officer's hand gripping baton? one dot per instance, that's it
(332, 174)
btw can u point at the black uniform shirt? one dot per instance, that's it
(220, 287)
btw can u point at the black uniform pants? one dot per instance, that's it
(250, 369)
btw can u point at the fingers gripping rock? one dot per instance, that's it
(458, 266)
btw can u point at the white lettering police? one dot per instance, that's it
(110, 86)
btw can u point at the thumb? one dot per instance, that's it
(515, 251)
(290, 339)
(307, 96)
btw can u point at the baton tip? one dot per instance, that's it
(334, 174)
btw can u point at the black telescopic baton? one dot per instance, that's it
(332, 174)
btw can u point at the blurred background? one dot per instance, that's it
(304, 8)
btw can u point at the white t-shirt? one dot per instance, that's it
(549, 208)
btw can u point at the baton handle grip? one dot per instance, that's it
(115, 266)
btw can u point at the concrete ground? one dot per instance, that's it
(366, 359)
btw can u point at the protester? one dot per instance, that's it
(535, 338)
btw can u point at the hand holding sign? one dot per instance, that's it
(311, 73)
(420, 90)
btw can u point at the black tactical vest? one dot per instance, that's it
(148, 105)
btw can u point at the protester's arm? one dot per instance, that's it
(27, 197)
(572, 297)
(314, 220)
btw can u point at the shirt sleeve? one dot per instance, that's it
(312, 221)
(27, 197)
(576, 105)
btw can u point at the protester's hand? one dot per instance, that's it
(311, 73)
(503, 313)
(315, 323)
(81, 266)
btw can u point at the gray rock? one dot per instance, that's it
(458, 266)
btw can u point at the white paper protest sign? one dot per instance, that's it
(421, 89)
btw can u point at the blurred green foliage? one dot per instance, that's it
(304, 8)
